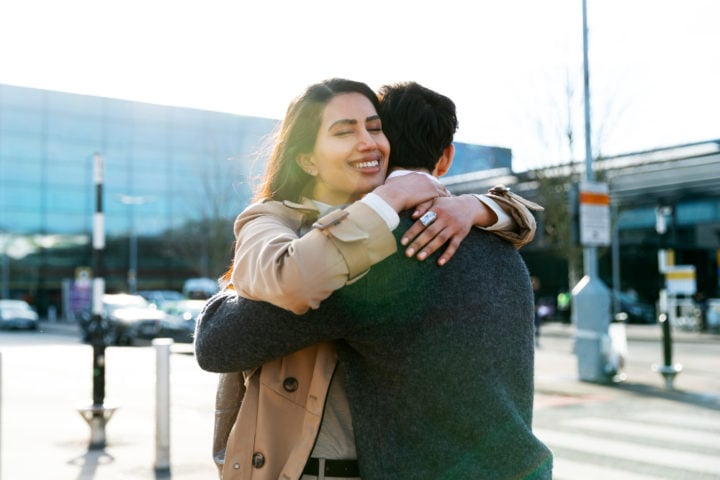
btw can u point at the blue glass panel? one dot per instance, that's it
(71, 200)
(70, 174)
(696, 212)
(75, 223)
(25, 98)
(119, 134)
(70, 152)
(150, 134)
(22, 147)
(27, 172)
(22, 221)
(21, 121)
(62, 104)
(77, 127)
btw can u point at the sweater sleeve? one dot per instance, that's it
(224, 344)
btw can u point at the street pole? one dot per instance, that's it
(97, 415)
(591, 298)
(668, 369)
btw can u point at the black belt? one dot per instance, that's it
(333, 468)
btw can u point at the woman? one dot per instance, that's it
(331, 152)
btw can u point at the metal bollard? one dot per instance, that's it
(162, 404)
(668, 370)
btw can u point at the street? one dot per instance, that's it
(636, 430)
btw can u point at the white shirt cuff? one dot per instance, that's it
(383, 209)
(504, 222)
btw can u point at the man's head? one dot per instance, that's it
(420, 125)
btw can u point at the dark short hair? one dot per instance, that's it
(419, 123)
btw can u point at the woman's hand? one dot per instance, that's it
(408, 191)
(455, 216)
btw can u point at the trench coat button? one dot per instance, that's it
(236, 466)
(290, 384)
(258, 460)
(499, 189)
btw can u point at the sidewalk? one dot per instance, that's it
(556, 370)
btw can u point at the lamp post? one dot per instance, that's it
(98, 413)
(131, 201)
(668, 369)
(591, 298)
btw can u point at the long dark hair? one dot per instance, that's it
(284, 179)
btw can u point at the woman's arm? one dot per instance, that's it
(457, 215)
(276, 263)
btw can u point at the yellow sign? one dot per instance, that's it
(680, 279)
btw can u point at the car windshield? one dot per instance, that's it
(113, 302)
(15, 306)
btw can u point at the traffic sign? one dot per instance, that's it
(594, 214)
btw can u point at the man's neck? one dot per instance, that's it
(396, 172)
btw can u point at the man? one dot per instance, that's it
(438, 362)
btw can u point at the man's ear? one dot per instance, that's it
(306, 162)
(445, 161)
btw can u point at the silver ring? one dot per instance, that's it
(428, 218)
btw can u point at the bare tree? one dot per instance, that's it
(220, 192)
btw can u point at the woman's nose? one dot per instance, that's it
(366, 141)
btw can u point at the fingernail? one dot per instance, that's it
(422, 256)
(441, 262)
(409, 252)
(403, 241)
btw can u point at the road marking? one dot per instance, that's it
(704, 422)
(647, 430)
(569, 470)
(635, 452)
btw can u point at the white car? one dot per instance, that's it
(18, 314)
(125, 319)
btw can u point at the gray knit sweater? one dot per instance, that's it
(438, 361)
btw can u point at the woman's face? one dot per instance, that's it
(351, 151)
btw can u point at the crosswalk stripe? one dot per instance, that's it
(630, 451)
(569, 470)
(703, 422)
(647, 430)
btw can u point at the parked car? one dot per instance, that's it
(185, 313)
(125, 319)
(633, 310)
(200, 288)
(18, 314)
(160, 297)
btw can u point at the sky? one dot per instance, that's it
(513, 67)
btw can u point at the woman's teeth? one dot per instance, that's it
(370, 164)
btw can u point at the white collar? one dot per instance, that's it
(401, 172)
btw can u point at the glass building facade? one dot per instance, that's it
(167, 172)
